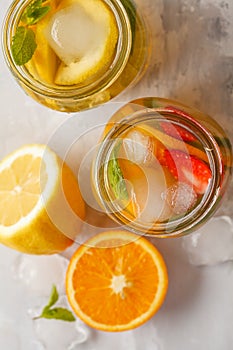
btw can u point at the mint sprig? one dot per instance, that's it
(23, 43)
(115, 176)
(58, 313)
(34, 12)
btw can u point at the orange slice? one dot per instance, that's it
(171, 142)
(116, 281)
(40, 201)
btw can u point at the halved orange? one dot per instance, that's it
(116, 281)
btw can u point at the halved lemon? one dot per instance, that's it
(83, 34)
(116, 281)
(41, 208)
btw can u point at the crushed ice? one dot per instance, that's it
(56, 334)
(39, 273)
(181, 197)
(212, 244)
(139, 148)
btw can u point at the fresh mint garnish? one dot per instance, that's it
(58, 313)
(53, 297)
(115, 176)
(34, 12)
(23, 43)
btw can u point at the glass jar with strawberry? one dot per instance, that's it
(162, 167)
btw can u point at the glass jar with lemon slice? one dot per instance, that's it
(72, 55)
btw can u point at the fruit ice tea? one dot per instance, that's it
(74, 54)
(161, 168)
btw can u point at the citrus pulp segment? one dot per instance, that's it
(40, 201)
(116, 281)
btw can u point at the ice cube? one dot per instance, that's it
(181, 197)
(72, 33)
(39, 273)
(139, 148)
(149, 195)
(60, 335)
(211, 244)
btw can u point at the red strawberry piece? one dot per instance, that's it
(187, 168)
(180, 112)
(177, 132)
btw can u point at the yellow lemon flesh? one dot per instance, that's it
(83, 34)
(41, 208)
(43, 64)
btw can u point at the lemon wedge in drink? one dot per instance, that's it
(43, 64)
(83, 34)
(40, 201)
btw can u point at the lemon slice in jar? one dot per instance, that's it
(83, 34)
(43, 64)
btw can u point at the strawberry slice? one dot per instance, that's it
(177, 132)
(187, 168)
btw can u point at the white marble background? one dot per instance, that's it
(192, 61)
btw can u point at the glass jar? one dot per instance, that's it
(127, 63)
(192, 151)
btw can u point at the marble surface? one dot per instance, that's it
(192, 61)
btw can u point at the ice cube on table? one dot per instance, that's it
(139, 148)
(212, 244)
(59, 335)
(72, 33)
(39, 273)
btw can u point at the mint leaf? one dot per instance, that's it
(58, 313)
(23, 45)
(34, 12)
(53, 297)
(115, 176)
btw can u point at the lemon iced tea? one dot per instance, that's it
(74, 54)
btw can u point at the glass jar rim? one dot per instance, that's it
(120, 60)
(174, 228)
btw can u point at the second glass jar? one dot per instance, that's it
(161, 168)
